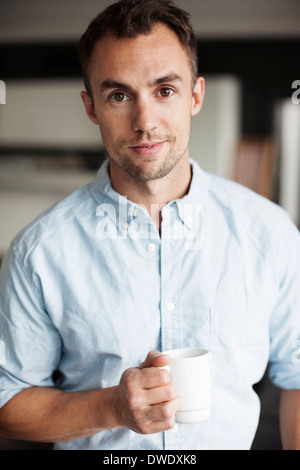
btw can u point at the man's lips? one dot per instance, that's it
(148, 148)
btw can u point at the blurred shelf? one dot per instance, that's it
(59, 182)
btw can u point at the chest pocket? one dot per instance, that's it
(239, 344)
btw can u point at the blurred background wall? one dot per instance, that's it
(248, 129)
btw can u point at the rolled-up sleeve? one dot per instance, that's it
(285, 322)
(30, 344)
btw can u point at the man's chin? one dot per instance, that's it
(147, 168)
(142, 173)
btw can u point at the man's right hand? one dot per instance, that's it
(145, 400)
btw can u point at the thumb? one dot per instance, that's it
(155, 359)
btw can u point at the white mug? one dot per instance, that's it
(190, 373)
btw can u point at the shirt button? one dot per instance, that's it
(125, 226)
(151, 247)
(171, 307)
(136, 213)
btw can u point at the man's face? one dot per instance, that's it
(143, 101)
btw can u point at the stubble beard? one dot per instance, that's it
(150, 167)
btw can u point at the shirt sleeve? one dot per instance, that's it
(30, 345)
(285, 320)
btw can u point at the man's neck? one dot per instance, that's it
(154, 194)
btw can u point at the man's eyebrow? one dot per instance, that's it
(172, 77)
(110, 84)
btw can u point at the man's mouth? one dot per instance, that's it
(148, 148)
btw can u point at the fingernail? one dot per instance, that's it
(156, 355)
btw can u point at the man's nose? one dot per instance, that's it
(145, 116)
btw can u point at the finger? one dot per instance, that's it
(155, 359)
(160, 360)
(162, 415)
(148, 361)
(152, 377)
(161, 426)
(158, 395)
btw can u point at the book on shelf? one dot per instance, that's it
(255, 164)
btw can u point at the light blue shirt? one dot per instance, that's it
(90, 288)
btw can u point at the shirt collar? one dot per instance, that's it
(126, 209)
(193, 202)
(186, 205)
(101, 184)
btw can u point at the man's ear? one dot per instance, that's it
(89, 107)
(198, 96)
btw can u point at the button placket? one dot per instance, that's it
(138, 224)
(170, 279)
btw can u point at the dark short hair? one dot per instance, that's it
(129, 19)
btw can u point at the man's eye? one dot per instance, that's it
(166, 92)
(119, 97)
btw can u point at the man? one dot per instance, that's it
(152, 255)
